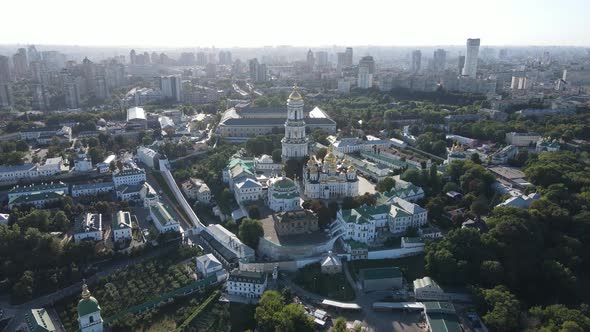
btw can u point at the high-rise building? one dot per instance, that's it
(258, 72)
(295, 143)
(5, 94)
(470, 67)
(461, 63)
(20, 63)
(132, 57)
(170, 86)
(348, 57)
(416, 61)
(439, 60)
(72, 92)
(5, 76)
(155, 58)
(322, 59)
(211, 70)
(310, 61)
(33, 54)
(225, 58)
(38, 72)
(187, 59)
(201, 59)
(365, 72)
(40, 97)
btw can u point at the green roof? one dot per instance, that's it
(284, 183)
(381, 273)
(38, 320)
(412, 239)
(87, 306)
(36, 197)
(442, 317)
(125, 221)
(162, 214)
(285, 195)
(247, 276)
(435, 306)
(364, 213)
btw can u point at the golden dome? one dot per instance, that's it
(295, 95)
(350, 169)
(313, 170)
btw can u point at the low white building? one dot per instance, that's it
(522, 139)
(521, 201)
(208, 265)
(405, 214)
(247, 284)
(129, 176)
(4, 218)
(105, 165)
(121, 226)
(88, 226)
(19, 191)
(162, 219)
(147, 156)
(265, 163)
(92, 189)
(362, 224)
(426, 289)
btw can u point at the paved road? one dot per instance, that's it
(51, 298)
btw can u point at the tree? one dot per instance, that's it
(61, 221)
(250, 232)
(321, 153)
(501, 308)
(277, 155)
(23, 289)
(479, 207)
(270, 303)
(339, 325)
(254, 212)
(293, 318)
(385, 185)
(475, 158)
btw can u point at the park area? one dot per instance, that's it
(131, 287)
(412, 267)
(332, 286)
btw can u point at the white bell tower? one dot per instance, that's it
(295, 143)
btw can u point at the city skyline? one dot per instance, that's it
(305, 23)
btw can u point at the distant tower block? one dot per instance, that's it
(470, 68)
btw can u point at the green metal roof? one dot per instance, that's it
(363, 214)
(87, 306)
(381, 273)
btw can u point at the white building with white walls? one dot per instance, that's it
(162, 219)
(471, 58)
(88, 226)
(295, 143)
(147, 156)
(129, 177)
(283, 194)
(248, 284)
(121, 226)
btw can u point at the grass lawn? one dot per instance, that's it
(332, 286)
(412, 267)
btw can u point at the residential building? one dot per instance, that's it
(365, 77)
(402, 189)
(295, 222)
(129, 176)
(39, 320)
(363, 224)
(170, 87)
(18, 191)
(38, 200)
(208, 265)
(522, 201)
(522, 139)
(225, 245)
(147, 156)
(471, 58)
(416, 62)
(384, 278)
(92, 189)
(162, 219)
(121, 227)
(136, 119)
(426, 289)
(331, 264)
(196, 189)
(88, 226)
(439, 60)
(404, 214)
(266, 164)
(247, 284)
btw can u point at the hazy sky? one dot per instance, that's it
(299, 23)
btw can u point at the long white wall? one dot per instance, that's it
(199, 226)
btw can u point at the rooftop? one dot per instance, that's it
(122, 220)
(247, 276)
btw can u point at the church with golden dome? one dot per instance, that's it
(330, 179)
